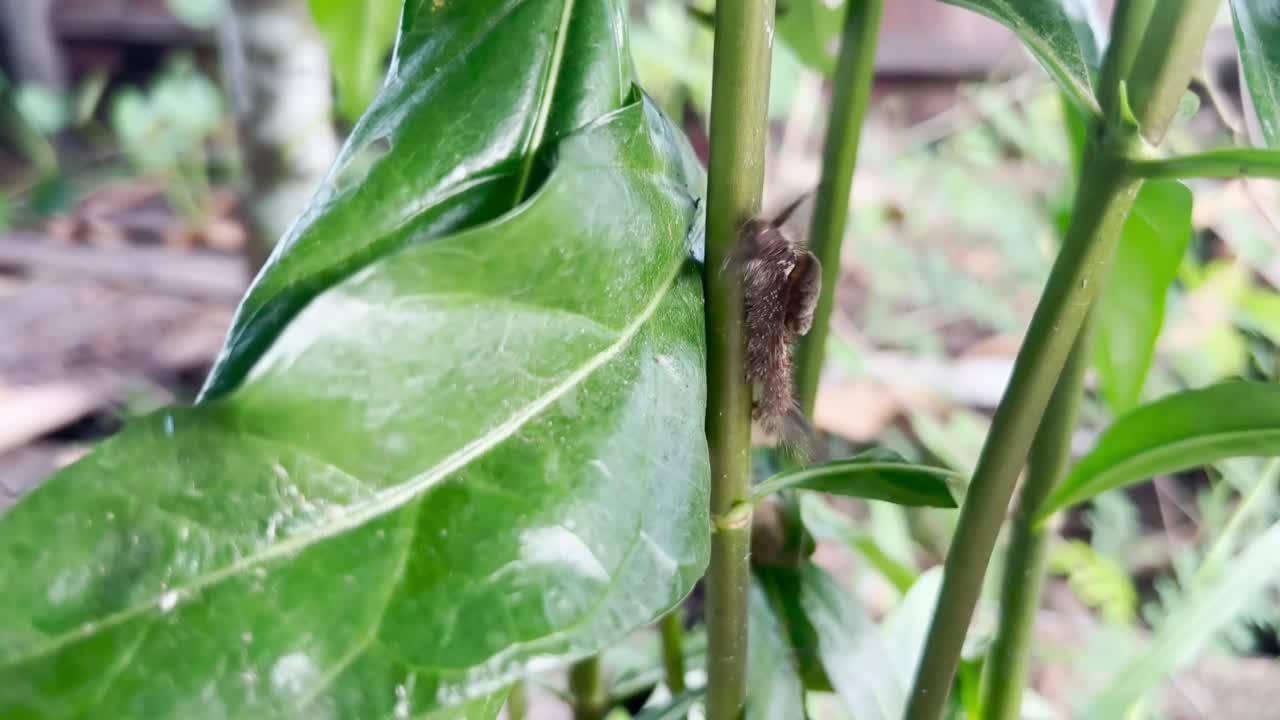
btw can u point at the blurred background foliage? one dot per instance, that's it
(132, 146)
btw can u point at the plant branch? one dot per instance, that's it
(1128, 25)
(739, 102)
(1227, 163)
(673, 650)
(1104, 197)
(586, 683)
(1005, 672)
(855, 71)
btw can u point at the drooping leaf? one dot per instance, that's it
(475, 90)
(359, 36)
(811, 28)
(1184, 430)
(462, 456)
(1130, 313)
(852, 650)
(1257, 25)
(877, 474)
(1062, 34)
(1212, 604)
(774, 690)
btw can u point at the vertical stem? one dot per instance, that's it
(855, 71)
(1103, 199)
(673, 650)
(518, 702)
(1006, 668)
(740, 93)
(586, 683)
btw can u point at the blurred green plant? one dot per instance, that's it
(360, 36)
(164, 131)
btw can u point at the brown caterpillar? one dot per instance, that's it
(780, 284)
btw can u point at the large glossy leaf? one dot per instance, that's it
(359, 36)
(1184, 430)
(774, 689)
(877, 474)
(1214, 601)
(852, 650)
(1061, 34)
(472, 455)
(1258, 36)
(1131, 309)
(474, 91)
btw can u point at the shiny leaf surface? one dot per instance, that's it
(359, 36)
(467, 456)
(452, 140)
(852, 650)
(774, 690)
(1131, 309)
(1184, 430)
(1258, 37)
(877, 474)
(1061, 34)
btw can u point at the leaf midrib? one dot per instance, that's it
(383, 502)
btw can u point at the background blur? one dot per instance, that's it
(152, 150)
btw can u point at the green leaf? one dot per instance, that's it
(827, 523)
(1258, 37)
(811, 28)
(1212, 604)
(877, 474)
(677, 709)
(851, 650)
(477, 89)
(774, 690)
(904, 629)
(473, 455)
(1131, 311)
(359, 36)
(1061, 34)
(1184, 430)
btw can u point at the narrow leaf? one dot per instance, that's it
(1184, 430)
(875, 475)
(359, 36)
(1061, 34)
(826, 523)
(1258, 37)
(905, 628)
(774, 690)
(470, 455)
(851, 649)
(1131, 309)
(1212, 604)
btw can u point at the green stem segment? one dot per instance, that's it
(1105, 195)
(586, 683)
(672, 629)
(735, 183)
(1006, 668)
(855, 71)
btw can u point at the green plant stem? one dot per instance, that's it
(1105, 194)
(1128, 25)
(586, 683)
(735, 183)
(1169, 53)
(672, 629)
(1005, 672)
(855, 71)
(1227, 163)
(518, 702)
